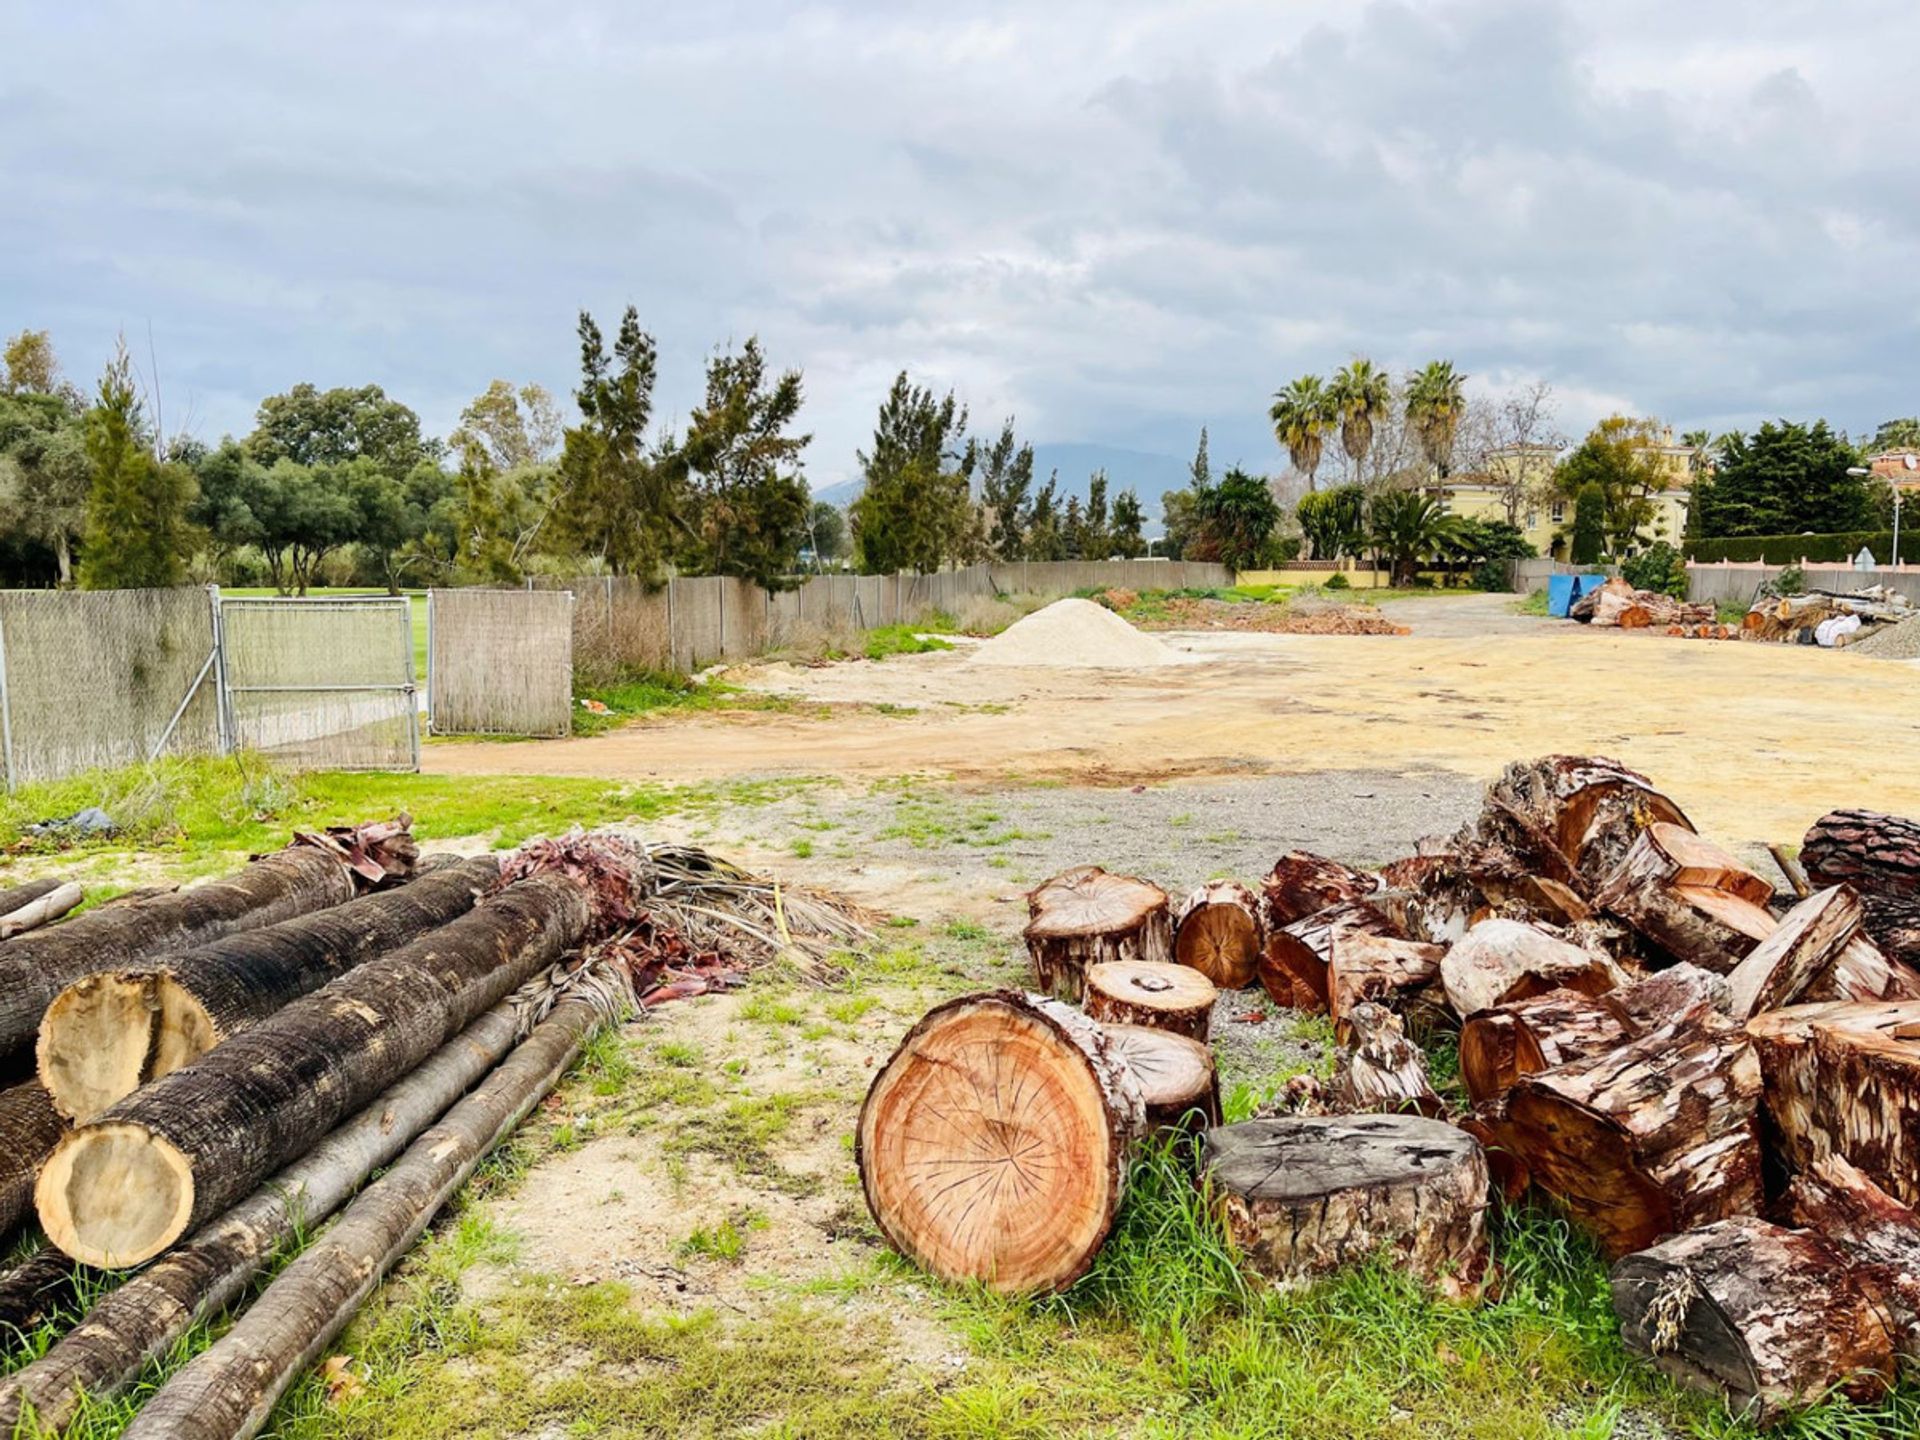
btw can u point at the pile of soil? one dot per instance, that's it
(1074, 634)
(1300, 618)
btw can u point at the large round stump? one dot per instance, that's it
(1085, 916)
(1307, 1195)
(993, 1144)
(1137, 992)
(1176, 1075)
(1219, 933)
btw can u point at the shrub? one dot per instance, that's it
(1837, 548)
(1337, 581)
(1658, 568)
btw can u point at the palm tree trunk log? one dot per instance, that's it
(25, 893)
(1218, 932)
(1879, 855)
(29, 1129)
(1085, 917)
(21, 911)
(1137, 992)
(33, 1291)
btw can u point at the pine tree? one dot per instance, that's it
(916, 512)
(136, 530)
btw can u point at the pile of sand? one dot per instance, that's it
(1074, 634)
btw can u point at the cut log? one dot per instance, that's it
(228, 1391)
(130, 1182)
(1429, 897)
(1584, 811)
(1304, 1196)
(142, 1320)
(1879, 856)
(1878, 1233)
(1774, 1319)
(1302, 883)
(13, 897)
(1219, 933)
(1379, 1070)
(1691, 900)
(1523, 1037)
(1176, 1076)
(1506, 1169)
(1864, 972)
(37, 966)
(1844, 1079)
(1138, 992)
(993, 1145)
(37, 910)
(1293, 967)
(1678, 995)
(29, 1129)
(1806, 944)
(1676, 855)
(1503, 960)
(1381, 968)
(1086, 916)
(107, 1035)
(33, 1292)
(1656, 1136)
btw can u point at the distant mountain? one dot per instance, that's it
(1147, 474)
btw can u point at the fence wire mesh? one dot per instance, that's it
(501, 662)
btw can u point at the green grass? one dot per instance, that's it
(1534, 603)
(888, 640)
(658, 691)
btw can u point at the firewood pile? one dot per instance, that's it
(1719, 1083)
(1826, 617)
(194, 1077)
(1618, 604)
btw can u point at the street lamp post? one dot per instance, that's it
(1899, 493)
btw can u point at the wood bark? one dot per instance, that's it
(1658, 1135)
(105, 1036)
(25, 893)
(1085, 916)
(1176, 1075)
(29, 1129)
(1806, 944)
(36, 910)
(1844, 1079)
(130, 1182)
(1304, 1196)
(1506, 1168)
(1878, 1233)
(1864, 972)
(1879, 856)
(1218, 931)
(1340, 956)
(37, 966)
(145, 1316)
(1691, 900)
(1379, 1070)
(1523, 1037)
(1678, 995)
(1302, 883)
(1503, 960)
(1429, 897)
(33, 1291)
(229, 1391)
(1774, 1319)
(1139, 992)
(993, 1144)
(1585, 812)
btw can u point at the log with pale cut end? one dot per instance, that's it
(1379, 1069)
(1844, 1079)
(1678, 995)
(1176, 1075)
(1293, 967)
(1524, 1037)
(1503, 960)
(1302, 883)
(1806, 944)
(107, 1035)
(1139, 992)
(1690, 900)
(1878, 1233)
(29, 1129)
(1086, 916)
(1658, 1135)
(993, 1145)
(1304, 1196)
(1879, 856)
(1219, 933)
(15, 897)
(1383, 969)
(30, 906)
(130, 1182)
(1584, 811)
(1774, 1319)
(1676, 855)
(1429, 897)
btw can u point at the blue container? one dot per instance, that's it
(1561, 594)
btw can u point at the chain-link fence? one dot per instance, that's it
(500, 662)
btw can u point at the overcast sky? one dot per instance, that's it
(1117, 220)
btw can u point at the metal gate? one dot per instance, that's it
(322, 684)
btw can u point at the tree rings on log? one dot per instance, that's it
(1307, 1195)
(1137, 992)
(993, 1144)
(1219, 933)
(1176, 1075)
(1085, 916)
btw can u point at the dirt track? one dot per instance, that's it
(1755, 740)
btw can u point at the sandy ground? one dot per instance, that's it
(1755, 741)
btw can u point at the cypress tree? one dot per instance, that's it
(136, 509)
(1589, 524)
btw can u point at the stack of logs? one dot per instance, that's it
(1617, 603)
(1717, 1083)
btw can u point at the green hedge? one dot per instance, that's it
(1836, 549)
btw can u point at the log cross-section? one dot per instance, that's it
(1176, 1075)
(1218, 931)
(1138, 992)
(1086, 916)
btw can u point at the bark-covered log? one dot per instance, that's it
(1085, 916)
(1302, 883)
(41, 908)
(993, 1145)
(25, 893)
(1878, 1233)
(37, 966)
(1503, 960)
(228, 1391)
(1218, 931)
(1658, 1135)
(1691, 900)
(1295, 968)
(1379, 1070)
(1879, 856)
(1584, 812)
(107, 1035)
(1364, 968)
(1429, 897)
(145, 1316)
(1506, 1168)
(1176, 1075)
(1307, 1195)
(33, 1291)
(1844, 1079)
(29, 1129)
(1139, 992)
(1523, 1037)
(130, 1182)
(1678, 995)
(1864, 972)
(1807, 943)
(1774, 1319)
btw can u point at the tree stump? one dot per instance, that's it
(1879, 855)
(1879, 1234)
(1084, 917)
(1807, 943)
(1379, 1070)
(993, 1144)
(1695, 903)
(1774, 1319)
(1307, 1195)
(1503, 960)
(1523, 1037)
(1219, 933)
(1302, 883)
(1138, 992)
(1176, 1075)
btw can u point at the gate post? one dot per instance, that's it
(222, 698)
(6, 706)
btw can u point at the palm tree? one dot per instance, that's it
(1436, 399)
(1302, 415)
(1408, 527)
(1360, 394)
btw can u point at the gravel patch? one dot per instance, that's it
(1890, 642)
